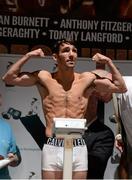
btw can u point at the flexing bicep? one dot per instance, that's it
(105, 85)
(26, 79)
(23, 79)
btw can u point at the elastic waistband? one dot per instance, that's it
(60, 142)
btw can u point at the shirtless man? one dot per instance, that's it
(64, 93)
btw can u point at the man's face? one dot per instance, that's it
(67, 55)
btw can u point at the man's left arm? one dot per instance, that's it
(108, 81)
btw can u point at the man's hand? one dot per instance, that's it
(1, 157)
(13, 158)
(36, 52)
(119, 142)
(99, 58)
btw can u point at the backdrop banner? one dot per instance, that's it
(92, 24)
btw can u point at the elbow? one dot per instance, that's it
(121, 88)
(124, 90)
(4, 79)
(7, 80)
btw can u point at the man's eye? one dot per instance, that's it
(66, 50)
(75, 50)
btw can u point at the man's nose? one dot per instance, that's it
(71, 53)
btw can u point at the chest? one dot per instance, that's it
(57, 95)
(55, 92)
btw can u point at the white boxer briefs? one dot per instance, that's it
(52, 155)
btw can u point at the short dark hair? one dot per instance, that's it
(58, 43)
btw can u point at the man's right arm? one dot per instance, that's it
(14, 76)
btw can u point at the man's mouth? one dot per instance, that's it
(71, 61)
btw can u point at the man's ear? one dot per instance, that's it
(55, 58)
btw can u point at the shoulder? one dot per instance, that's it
(42, 73)
(86, 74)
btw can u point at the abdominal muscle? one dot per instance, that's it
(63, 107)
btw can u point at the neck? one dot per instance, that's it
(65, 79)
(65, 76)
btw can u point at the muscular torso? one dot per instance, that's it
(62, 101)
